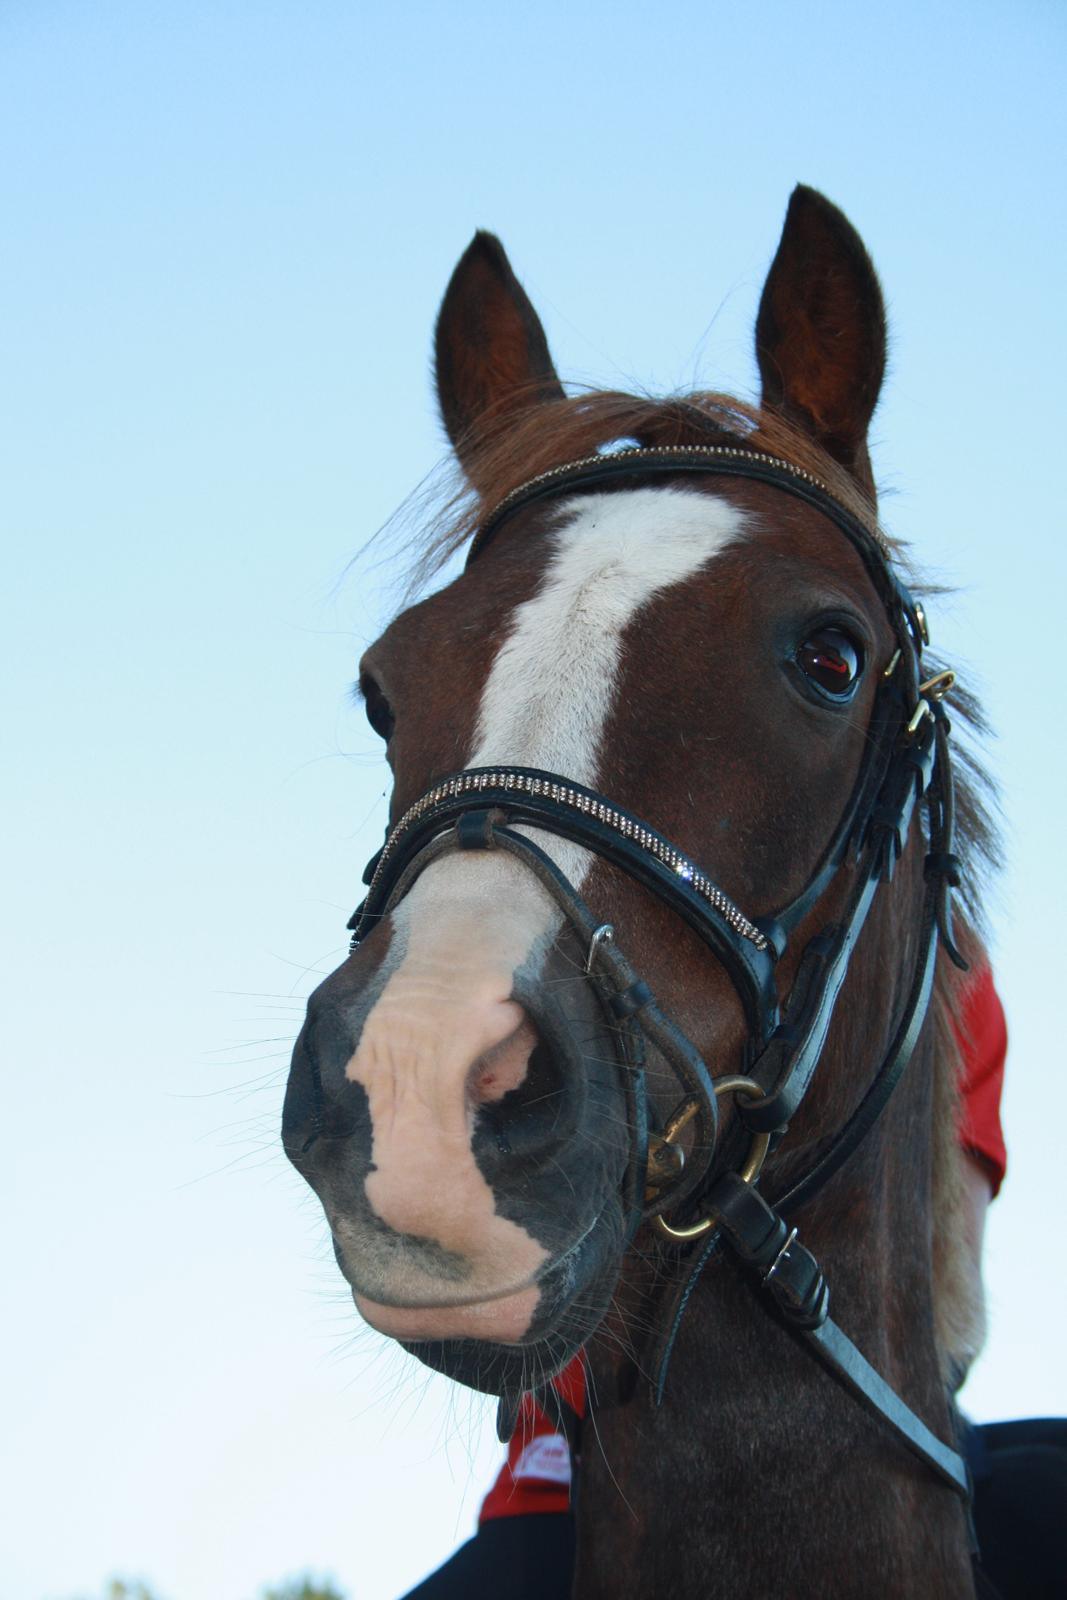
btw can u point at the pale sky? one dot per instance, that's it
(224, 232)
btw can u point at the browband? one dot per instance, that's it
(586, 472)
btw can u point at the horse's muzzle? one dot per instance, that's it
(468, 1142)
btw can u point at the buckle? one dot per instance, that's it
(749, 1171)
(934, 689)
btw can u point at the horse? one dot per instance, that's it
(643, 1046)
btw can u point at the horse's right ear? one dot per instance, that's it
(491, 355)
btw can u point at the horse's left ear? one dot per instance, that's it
(820, 333)
(491, 354)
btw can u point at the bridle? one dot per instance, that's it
(906, 762)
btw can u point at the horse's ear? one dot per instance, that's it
(490, 351)
(820, 333)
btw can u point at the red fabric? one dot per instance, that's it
(537, 1473)
(983, 1039)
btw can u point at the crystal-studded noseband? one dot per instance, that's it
(479, 783)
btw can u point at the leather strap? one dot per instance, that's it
(673, 1309)
(941, 874)
(840, 1356)
(765, 1244)
(941, 864)
(788, 1063)
(787, 1272)
(888, 1076)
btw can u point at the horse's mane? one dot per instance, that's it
(527, 440)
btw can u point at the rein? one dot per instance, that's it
(907, 762)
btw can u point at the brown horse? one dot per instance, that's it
(680, 684)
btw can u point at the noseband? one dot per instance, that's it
(906, 762)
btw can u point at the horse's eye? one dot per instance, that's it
(379, 711)
(832, 661)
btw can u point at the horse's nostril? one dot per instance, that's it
(503, 1068)
(528, 1119)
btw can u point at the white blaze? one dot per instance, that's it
(553, 684)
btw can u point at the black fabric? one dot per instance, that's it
(1020, 1505)
(510, 1558)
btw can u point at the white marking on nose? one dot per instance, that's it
(443, 1026)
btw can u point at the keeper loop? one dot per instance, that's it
(942, 864)
(474, 830)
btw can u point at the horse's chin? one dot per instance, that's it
(507, 1370)
(572, 1299)
(497, 1369)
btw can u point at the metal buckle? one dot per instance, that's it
(934, 689)
(780, 1257)
(937, 687)
(749, 1171)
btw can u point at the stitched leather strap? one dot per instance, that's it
(717, 461)
(941, 874)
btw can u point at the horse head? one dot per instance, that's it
(639, 747)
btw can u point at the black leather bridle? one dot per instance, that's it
(906, 762)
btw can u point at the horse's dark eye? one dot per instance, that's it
(832, 661)
(379, 711)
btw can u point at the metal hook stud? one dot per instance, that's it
(600, 936)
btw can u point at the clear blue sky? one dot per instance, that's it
(224, 231)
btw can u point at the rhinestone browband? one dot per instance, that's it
(674, 457)
(587, 804)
